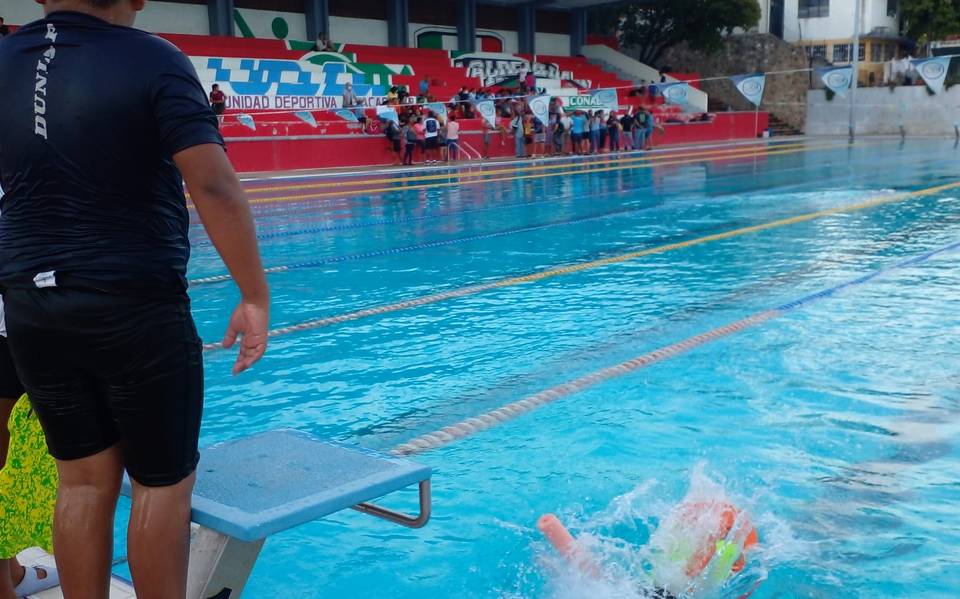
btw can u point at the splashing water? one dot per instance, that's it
(645, 544)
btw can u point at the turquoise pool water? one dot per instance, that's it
(834, 424)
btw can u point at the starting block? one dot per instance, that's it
(251, 488)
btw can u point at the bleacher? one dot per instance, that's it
(373, 69)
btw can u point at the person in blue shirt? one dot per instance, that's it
(100, 127)
(578, 128)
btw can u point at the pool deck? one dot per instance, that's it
(39, 557)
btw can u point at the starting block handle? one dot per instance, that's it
(399, 518)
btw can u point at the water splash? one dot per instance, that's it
(644, 540)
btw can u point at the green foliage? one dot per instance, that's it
(653, 26)
(928, 20)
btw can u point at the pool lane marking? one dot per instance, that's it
(487, 420)
(284, 268)
(624, 159)
(575, 268)
(576, 171)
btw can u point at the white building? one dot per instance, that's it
(825, 29)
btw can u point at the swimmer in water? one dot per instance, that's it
(696, 542)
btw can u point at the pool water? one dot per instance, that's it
(834, 423)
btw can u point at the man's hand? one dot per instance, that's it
(223, 209)
(250, 322)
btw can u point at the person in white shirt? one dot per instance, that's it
(453, 139)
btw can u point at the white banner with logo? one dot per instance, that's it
(438, 108)
(676, 93)
(488, 110)
(933, 70)
(751, 86)
(540, 107)
(307, 117)
(388, 113)
(837, 79)
(247, 121)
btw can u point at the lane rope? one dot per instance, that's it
(576, 268)
(578, 171)
(487, 420)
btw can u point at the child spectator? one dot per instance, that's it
(594, 134)
(516, 127)
(566, 124)
(424, 86)
(539, 138)
(578, 128)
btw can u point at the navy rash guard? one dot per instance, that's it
(92, 116)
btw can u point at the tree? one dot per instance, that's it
(930, 19)
(652, 26)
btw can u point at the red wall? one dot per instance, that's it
(323, 151)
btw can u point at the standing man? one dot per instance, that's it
(218, 101)
(431, 138)
(93, 257)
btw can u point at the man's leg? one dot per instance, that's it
(6, 581)
(83, 523)
(159, 539)
(6, 407)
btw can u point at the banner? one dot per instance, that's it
(751, 86)
(306, 117)
(247, 121)
(606, 99)
(933, 70)
(388, 113)
(675, 93)
(346, 115)
(438, 108)
(597, 99)
(488, 110)
(540, 107)
(837, 79)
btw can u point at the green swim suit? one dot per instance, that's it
(28, 486)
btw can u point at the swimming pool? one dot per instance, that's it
(830, 411)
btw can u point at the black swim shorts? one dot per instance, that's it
(432, 143)
(103, 369)
(10, 387)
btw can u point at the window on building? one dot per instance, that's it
(876, 52)
(892, 7)
(841, 52)
(809, 9)
(889, 52)
(817, 51)
(862, 54)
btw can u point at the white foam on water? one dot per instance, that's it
(643, 539)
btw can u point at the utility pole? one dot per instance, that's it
(855, 63)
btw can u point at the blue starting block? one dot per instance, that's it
(251, 488)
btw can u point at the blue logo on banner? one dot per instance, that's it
(676, 93)
(933, 70)
(488, 110)
(837, 79)
(751, 86)
(247, 121)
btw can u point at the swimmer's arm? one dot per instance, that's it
(223, 209)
